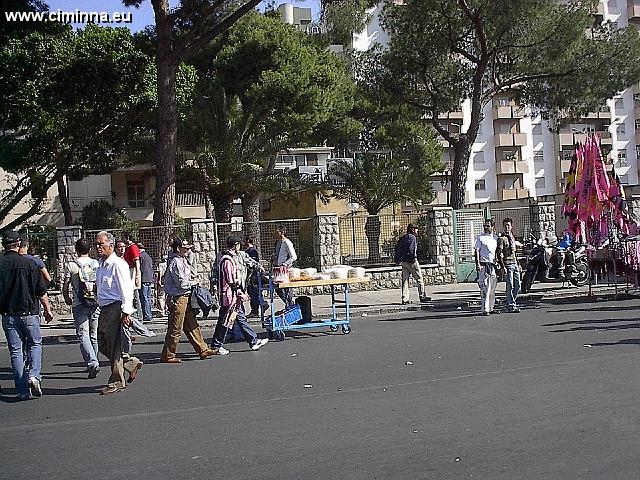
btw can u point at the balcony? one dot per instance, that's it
(565, 165)
(457, 115)
(511, 167)
(509, 111)
(603, 113)
(633, 13)
(440, 198)
(442, 141)
(513, 193)
(510, 139)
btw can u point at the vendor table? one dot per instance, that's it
(291, 320)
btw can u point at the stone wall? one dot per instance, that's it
(326, 241)
(440, 242)
(204, 246)
(543, 219)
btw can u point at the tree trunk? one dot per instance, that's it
(223, 209)
(64, 202)
(166, 133)
(251, 215)
(459, 175)
(372, 231)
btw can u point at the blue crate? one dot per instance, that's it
(291, 316)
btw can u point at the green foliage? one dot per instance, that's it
(545, 53)
(101, 214)
(245, 112)
(346, 17)
(396, 152)
(70, 103)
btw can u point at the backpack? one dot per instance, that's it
(400, 252)
(87, 284)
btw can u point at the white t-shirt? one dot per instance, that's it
(72, 273)
(486, 245)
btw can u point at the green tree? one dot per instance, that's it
(395, 156)
(100, 214)
(245, 112)
(181, 31)
(545, 53)
(70, 103)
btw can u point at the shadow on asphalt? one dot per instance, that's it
(595, 308)
(628, 341)
(588, 322)
(598, 327)
(589, 299)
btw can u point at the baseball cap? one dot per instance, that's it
(180, 243)
(10, 236)
(232, 240)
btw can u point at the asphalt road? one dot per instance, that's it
(501, 397)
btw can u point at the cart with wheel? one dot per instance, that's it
(291, 318)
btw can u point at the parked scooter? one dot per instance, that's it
(545, 263)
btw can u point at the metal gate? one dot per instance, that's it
(468, 224)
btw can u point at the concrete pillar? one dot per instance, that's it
(440, 243)
(326, 241)
(204, 245)
(66, 240)
(543, 219)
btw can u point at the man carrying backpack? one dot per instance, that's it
(81, 275)
(406, 254)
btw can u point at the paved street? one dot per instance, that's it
(433, 395)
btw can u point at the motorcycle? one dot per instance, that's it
(574, 268)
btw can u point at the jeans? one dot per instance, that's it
(85, 319)
(220, 332)
(23, 330)
(256, 299)
(512, 280)
(137, 304)
(285, 295)
(146, 302)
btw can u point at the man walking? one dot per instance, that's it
(81, 276)
(255, 296)
(506, 253)
(485, 256)
(21, 288)
(177, 285)
(406, 254)
(231, 297)
(284, 255)
(115, 298)
(146, 278)
(161, 296)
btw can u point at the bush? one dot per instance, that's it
(101, 214)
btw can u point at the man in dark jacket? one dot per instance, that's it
(146, 277)
(22, 287)
(406, 252)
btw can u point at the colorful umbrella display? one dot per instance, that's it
(594, 199)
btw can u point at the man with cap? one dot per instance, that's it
(406, 254)
(115, 298)
(232, 296)
(177, 285)
(21, 288)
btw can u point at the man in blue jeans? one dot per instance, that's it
(146, 277)
(84, 308)
(22, 287)
(506, 253)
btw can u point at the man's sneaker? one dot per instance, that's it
(220, 351)
(253, 314)
(34, 387)
(425, 299)
(407, 302)
(261, 342)
(93, 371)
(21, 397)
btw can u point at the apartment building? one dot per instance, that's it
(520, 154)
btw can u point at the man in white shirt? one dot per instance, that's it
(115, 298)
(485, 255)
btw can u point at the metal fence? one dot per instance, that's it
(369, 240)
(43, 243)
(156, 240)
(300, 231)
(521, 217)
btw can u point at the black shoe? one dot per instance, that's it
(93, 371)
